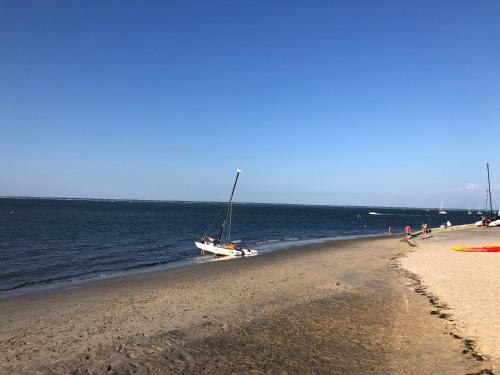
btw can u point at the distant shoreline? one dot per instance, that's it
(221, 202)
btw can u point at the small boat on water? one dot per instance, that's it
(441, 209)
(222, 245)
(374, 213)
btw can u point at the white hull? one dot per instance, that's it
(441, 209)
(219, 250)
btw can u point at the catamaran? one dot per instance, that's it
(441, 209)
(489, 220)
(222, 245)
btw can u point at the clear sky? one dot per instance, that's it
(322, 102)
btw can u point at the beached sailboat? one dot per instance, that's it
(222, 245)
(441, 209)
(490, 221)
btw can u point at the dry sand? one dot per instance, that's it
(468, 283)
(342, 308)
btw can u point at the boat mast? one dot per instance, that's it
(489, 189)
(228, 212)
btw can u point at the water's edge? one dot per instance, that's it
(165, 266)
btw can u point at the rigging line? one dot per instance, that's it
(227, 228)
(495, 199)
(228, 216)
(489, 188)
(217, 217)
(230, 222)
(486, 201)
(229, 205)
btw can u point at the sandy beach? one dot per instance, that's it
(468, 284)
(342, 307)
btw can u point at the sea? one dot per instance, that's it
(51, 243)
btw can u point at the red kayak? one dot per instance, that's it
(493, 248)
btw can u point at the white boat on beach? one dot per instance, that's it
(222, 245)
(222, 250)
(494, 223)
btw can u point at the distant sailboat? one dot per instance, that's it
(441, 209)
(469, 212)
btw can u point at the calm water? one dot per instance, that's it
(53, 242)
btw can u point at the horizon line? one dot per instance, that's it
(197, 201)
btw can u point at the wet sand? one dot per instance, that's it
(468, 284)
(343, 307)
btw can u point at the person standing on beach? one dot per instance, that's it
(389, 227)
(408, 231)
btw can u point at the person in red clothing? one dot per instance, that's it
(408, 231)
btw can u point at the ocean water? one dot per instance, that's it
(53, 242)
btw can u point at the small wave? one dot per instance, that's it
(149, 264)
(52, 280)
(274, 240)
(267, 241)
(86, 276)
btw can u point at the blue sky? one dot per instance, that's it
(371, 103)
